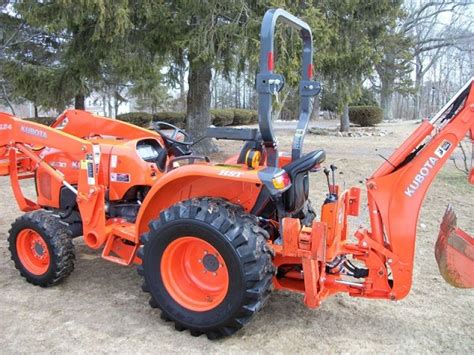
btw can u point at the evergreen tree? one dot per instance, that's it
(208, 35)
(96, 41)
(356, 26)
(29, 63)
(394, 68)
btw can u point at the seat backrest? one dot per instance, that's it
(295, 197)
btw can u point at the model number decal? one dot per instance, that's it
(117, 177)
(442, 149)
(231, 173)
(58, 164)
(427, 168)
(5, 127)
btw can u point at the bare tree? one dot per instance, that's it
(429, 28)
(464, 164)
(435, 26)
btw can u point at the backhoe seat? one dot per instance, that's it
(295, 197)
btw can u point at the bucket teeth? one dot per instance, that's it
(454, 252)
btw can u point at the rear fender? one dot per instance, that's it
(239, 186)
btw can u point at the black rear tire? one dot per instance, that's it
(57, 239)
(238, 239)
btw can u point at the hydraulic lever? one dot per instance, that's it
(333, 170)
(331, 197)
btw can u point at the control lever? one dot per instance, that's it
(333, 169)
(326, 172)
(332, 197)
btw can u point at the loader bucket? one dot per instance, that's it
(454, 252)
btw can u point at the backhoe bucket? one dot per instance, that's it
(454, 252)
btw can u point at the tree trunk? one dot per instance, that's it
(198, 117)
(116, 104)
(104, 104)
(36, 110)
(386, 98)
(316, 109)
(345, 119)
(214, 90)
(244, 99)
(182, 91)
(418, 88)
(5, 96)
(109, 104)
(80, 102)
(280, 107)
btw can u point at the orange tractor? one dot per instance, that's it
(210, 240)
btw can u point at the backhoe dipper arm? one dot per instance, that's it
(397, 189)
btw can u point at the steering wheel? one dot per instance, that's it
(157, 126)
(177, 147)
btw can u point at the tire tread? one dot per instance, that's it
(249, 240)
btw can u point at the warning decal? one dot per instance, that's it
(118, 177)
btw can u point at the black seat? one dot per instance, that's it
(295, 197)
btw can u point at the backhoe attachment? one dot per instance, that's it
(454, 252)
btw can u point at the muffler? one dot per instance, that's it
(454, 252)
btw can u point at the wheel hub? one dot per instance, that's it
(194, 273)
(38, 250)
(210, 262)
(32, 251)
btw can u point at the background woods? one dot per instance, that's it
(197, 58)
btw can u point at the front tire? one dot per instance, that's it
(41, 248)
(207, 266)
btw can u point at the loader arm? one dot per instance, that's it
(86, 124)
(21, 144)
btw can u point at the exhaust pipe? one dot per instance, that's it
(454, 252)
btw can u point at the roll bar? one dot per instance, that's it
(269, 83)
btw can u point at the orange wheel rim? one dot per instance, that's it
(194, 274)
(32, 251)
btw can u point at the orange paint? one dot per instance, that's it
(194, 274)
(88, 152)
(33, 252)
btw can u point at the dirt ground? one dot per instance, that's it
(100, 308)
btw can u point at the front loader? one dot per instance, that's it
(212, 239)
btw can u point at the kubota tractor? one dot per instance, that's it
(210, 239)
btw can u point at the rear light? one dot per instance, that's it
(281, 181)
